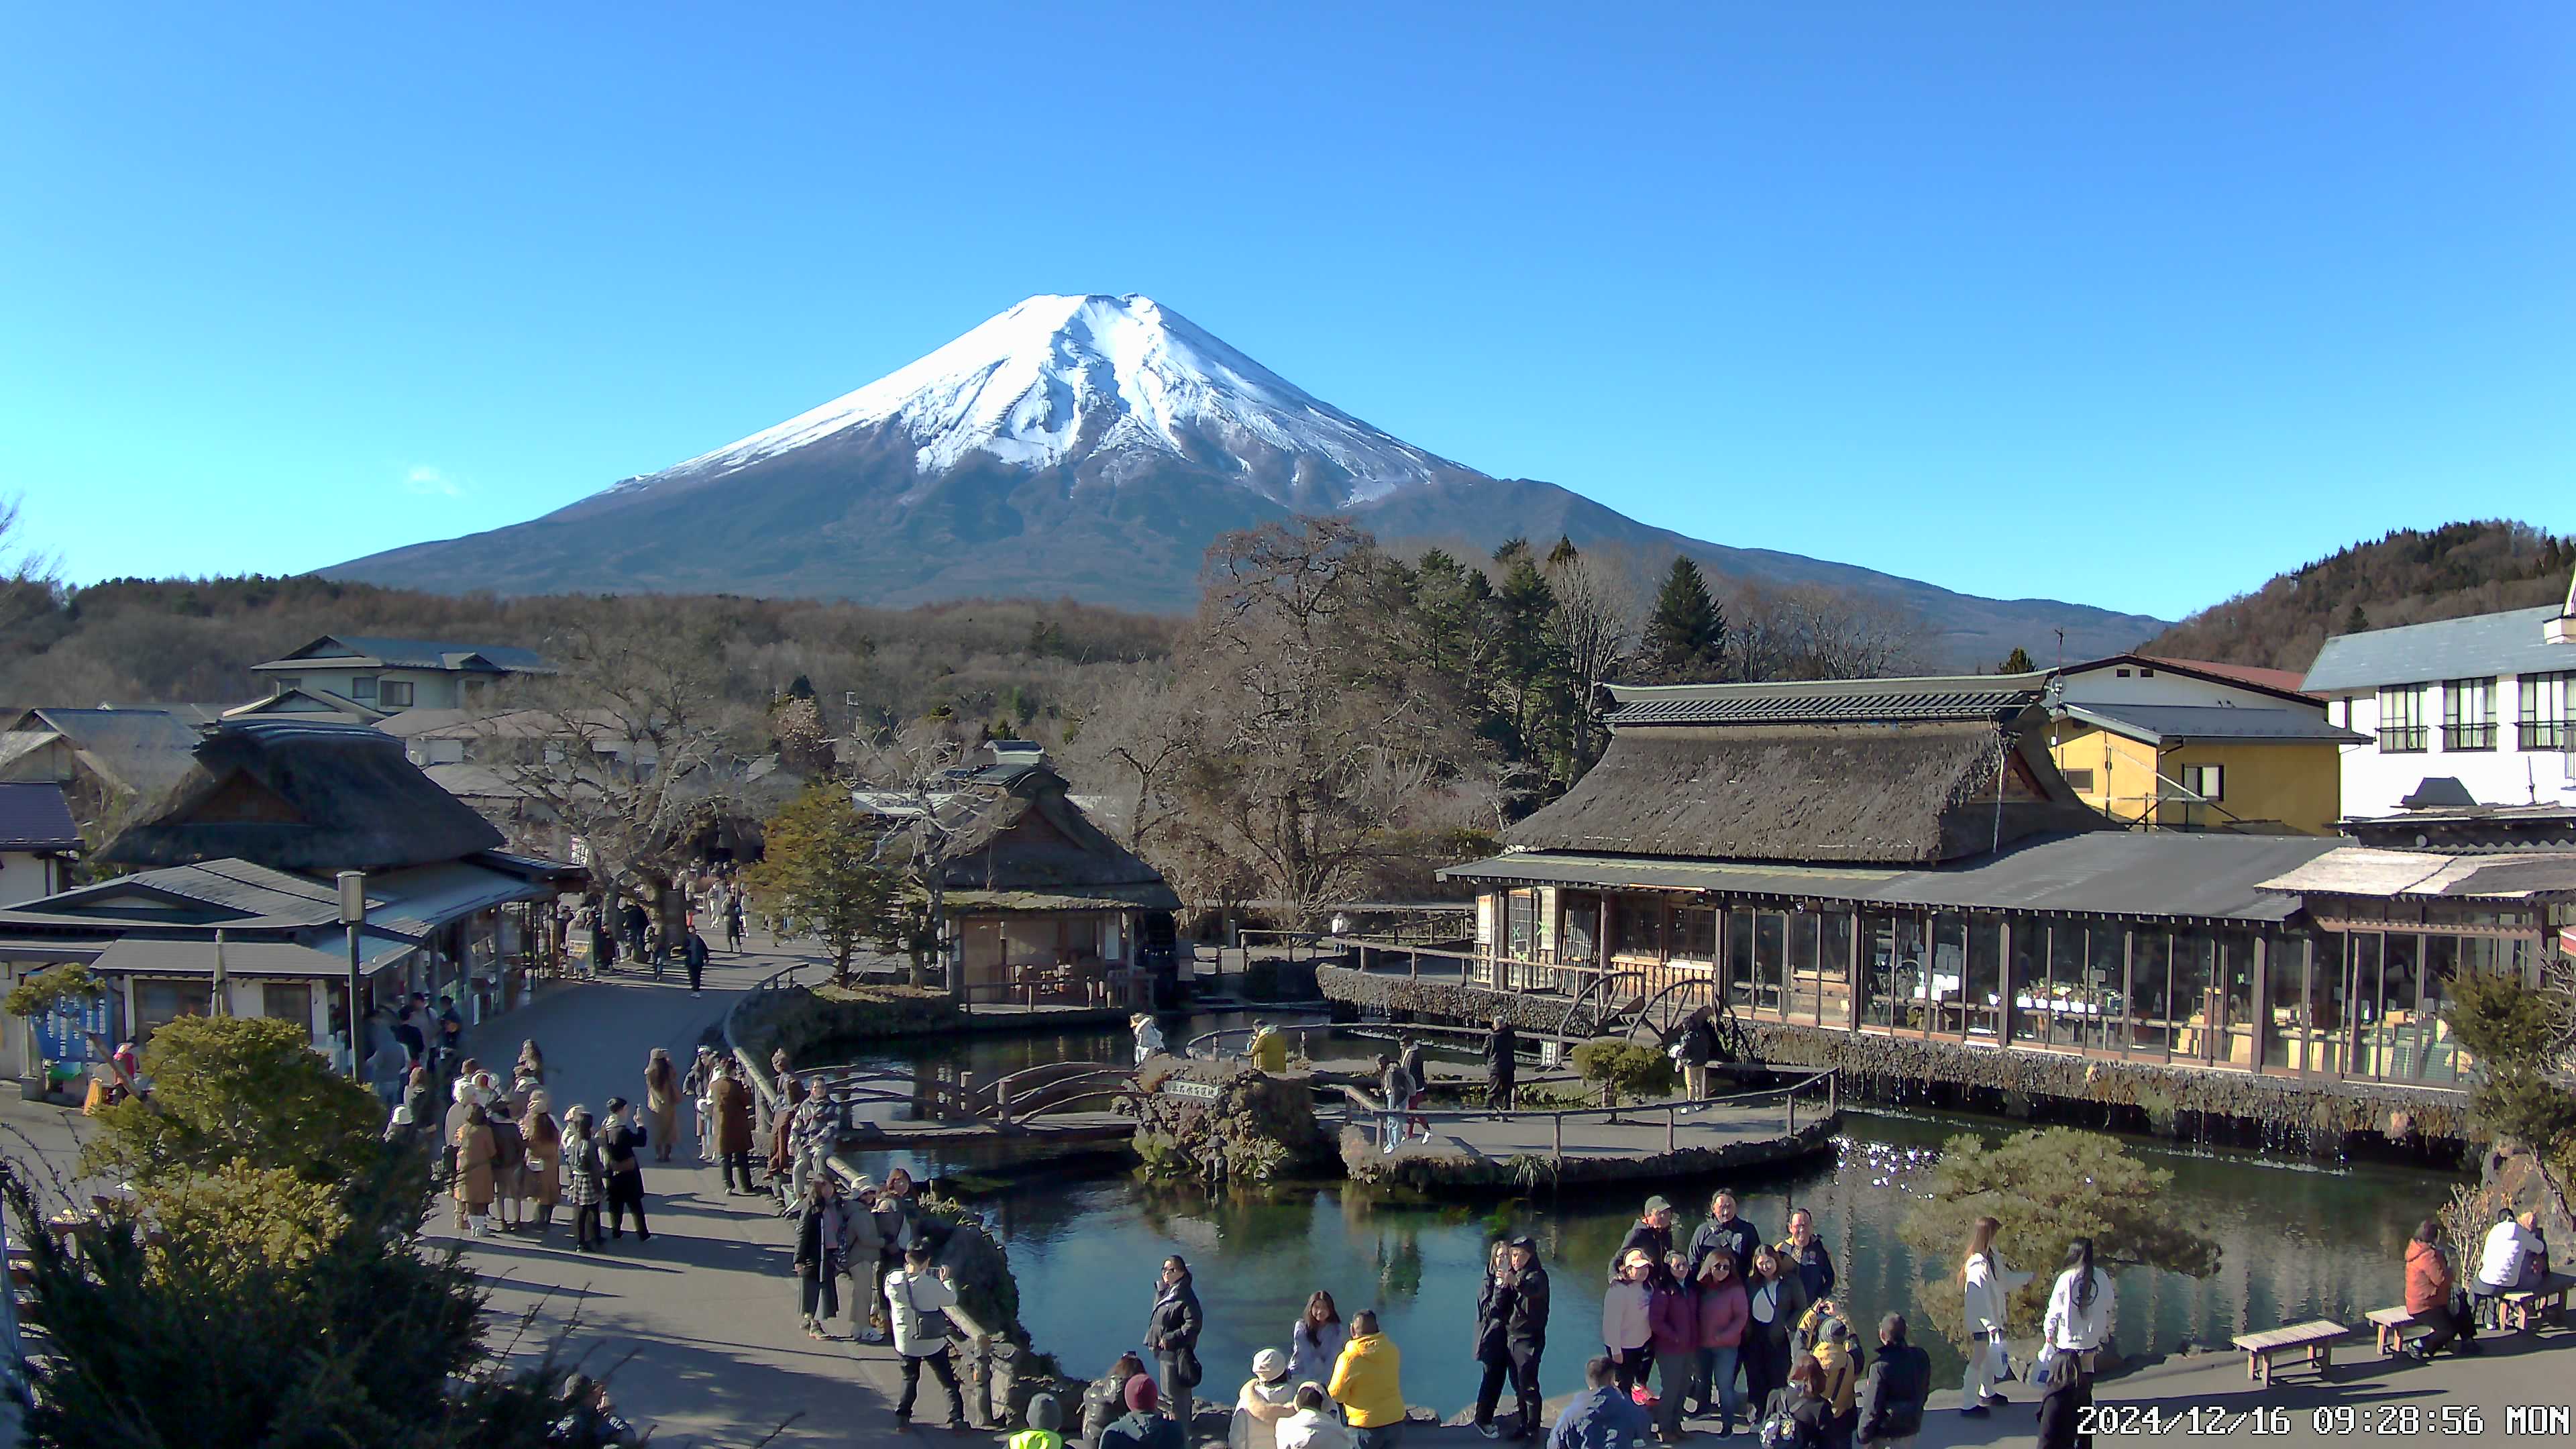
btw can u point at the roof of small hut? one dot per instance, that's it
(306, 797)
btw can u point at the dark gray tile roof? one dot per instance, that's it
(2471, 648)
(2155, 723)
(1841, 701)
(34, 816)
(2111, 873)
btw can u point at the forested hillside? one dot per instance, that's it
(2409, 576)
(134, 641)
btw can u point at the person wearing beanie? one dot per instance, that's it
(1045, 1424)
(1143, 1426)
(1265, 1398)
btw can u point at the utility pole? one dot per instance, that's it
(353, 914)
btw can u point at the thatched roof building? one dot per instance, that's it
(1892, 772)
(307, 797)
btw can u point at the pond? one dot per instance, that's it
(2299, 1241)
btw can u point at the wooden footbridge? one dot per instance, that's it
(1072, 1102)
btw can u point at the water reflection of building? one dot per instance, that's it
(1901, 859)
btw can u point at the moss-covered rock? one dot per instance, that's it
(1445, 1001)
(1223, 1122)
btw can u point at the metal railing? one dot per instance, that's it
(1364, 1107)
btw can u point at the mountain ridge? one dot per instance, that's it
(1091, 447)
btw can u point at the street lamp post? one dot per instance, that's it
(353, 914)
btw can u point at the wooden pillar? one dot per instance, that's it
(2004, 978)
(1859, 979)
(2261, 1005)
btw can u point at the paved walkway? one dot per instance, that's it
(700, 1325)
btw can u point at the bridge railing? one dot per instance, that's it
(1212, 1045)
(1826, 1083)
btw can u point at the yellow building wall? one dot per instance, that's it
(2124, 771)
(2299, 784)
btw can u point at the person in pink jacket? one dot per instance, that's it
(1626, 1329)
(1721, 1332)
(1672, 1323)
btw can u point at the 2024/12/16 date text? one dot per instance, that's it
(2392, 1420)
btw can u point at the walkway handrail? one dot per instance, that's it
(1211, 1039)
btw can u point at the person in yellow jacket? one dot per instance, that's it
(1367, 1383)
(1046, 1422)
(1269, 1049)
(1842, 1375)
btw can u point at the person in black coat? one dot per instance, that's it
(1172, 1334)
(1525, 1333)
(1893, 1392)
(1493, 1349)
(1651, 1234)
(694, 952)
(621, 1140)
(1502, 1062)
(635, 921)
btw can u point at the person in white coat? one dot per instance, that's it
(1266, 1398)
(1311, 1425)
(1149, 1036)
(2080, 1309)
(1987, 1287)
(913, 1294)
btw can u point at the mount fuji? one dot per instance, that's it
(1092, 447)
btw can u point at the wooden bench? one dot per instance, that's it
(2397, 1328)
(2524, 1308)
(2317, 1338)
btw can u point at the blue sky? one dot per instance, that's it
(2131, 305)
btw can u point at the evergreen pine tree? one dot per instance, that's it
(2356, 621)
(2017, 662)
(1685, 637)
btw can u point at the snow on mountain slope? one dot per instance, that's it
(1059, 377)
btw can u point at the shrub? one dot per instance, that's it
(1622, 1068)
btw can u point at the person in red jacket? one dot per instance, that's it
(1722, 1314)
(1672, 1320)
(2429, 1281)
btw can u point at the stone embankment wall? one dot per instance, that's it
(1440, 1001)
(799, 1018)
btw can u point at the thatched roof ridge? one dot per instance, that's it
(1912, 793)
(1025, 834)
(305, 797)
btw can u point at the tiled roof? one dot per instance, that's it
(33, 816)
(2155, 723)
(1827, 701)
(2471, 648)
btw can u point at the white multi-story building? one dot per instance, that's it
(2483, 701)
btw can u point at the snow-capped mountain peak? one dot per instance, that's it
(1061, 379)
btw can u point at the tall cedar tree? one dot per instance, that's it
(822, 870)
(2017, 662)
(1685, 640)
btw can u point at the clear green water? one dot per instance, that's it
(2300, 1241)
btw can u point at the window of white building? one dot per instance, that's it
(2544, 724)
(2402, 730)
(2468, 714)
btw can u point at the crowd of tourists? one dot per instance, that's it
(1723, 1324)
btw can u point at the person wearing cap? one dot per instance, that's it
(1265, 1398)
(1627, 1324)
(1143, 1426)
(1526, 1334)
(1652, 1233)
(1833, 1354)
(913, 1293)
(1045, 1424)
